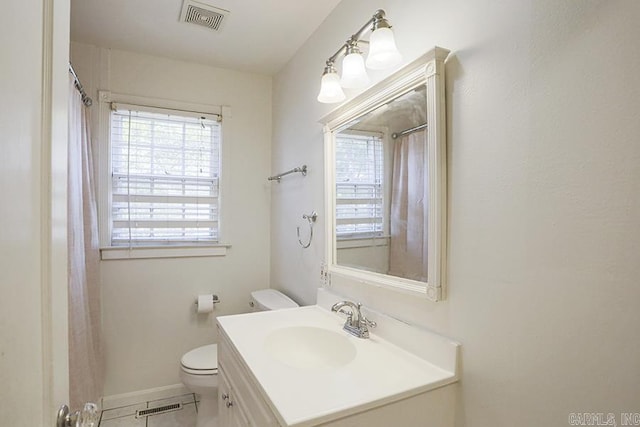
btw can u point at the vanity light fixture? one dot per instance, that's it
(383, 53)
(330, 89)
(354, 75)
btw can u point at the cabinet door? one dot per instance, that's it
(224, 393)
(238, 417)
(230, 408)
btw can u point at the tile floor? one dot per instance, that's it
(126, 416)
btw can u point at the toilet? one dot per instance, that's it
(199, 367)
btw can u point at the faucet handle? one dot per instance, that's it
(369, 323)
(363, 320)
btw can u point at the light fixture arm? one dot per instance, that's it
(377, 21)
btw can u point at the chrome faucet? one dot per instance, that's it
(356, 324)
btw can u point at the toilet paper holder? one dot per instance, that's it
(214, 297)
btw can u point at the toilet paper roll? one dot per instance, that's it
(205, 304)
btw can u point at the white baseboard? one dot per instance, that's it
(131, 398)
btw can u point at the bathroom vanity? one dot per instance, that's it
(297, 367)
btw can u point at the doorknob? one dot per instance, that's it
(88, 417)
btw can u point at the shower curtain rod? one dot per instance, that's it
(85, 98)
(410, 130)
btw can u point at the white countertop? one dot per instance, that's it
(380, 373)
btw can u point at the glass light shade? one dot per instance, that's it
(354, 75)
(383, 52)
(330, 89)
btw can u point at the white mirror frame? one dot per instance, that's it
(427, 70)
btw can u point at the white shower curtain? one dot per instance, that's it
(85, 357)
(409, 208)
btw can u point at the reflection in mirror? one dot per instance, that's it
(386, 182)
(382, 193)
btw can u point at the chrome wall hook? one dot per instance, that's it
(312, 217)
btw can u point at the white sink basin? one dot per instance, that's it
(308, 347)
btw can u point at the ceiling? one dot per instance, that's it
(257, 36)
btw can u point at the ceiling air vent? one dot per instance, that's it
(203, 14)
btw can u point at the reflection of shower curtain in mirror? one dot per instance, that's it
(85, 358)
(409, 208)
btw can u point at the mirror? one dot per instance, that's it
(386, 181)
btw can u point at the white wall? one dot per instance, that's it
(34, 39)
(20, 125)
(370, 258)
(543, 128)
(149, 317)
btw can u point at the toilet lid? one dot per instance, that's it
(272, 299)
(201, 359)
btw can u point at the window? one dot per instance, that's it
(359, 185)
(165, 177)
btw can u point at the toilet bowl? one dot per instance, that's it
(199, 367)
(199, 373)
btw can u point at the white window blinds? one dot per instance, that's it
(165, 170)
(359, 176)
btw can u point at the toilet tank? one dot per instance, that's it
(270, 299)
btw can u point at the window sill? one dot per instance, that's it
(362, 242)
(147, 252)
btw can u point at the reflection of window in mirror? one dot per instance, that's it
(363, 162)
(359, 182)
